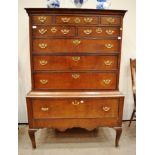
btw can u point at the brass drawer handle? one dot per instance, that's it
(77, 20)
(44, 109)
(76, 42)
(42, 19)
(106, 109)
(109, 45)
(75, 76)
(65, 19)
(110, 20)
(99, 30)
(65, 31)
(43, 81)
(107, 62)
(107, 81)
(75, 58)
(42, 45)
(43, 62)
(53, 29)
(110, 32)
(88, 31)
(77, 102)
(42, 31)
(88, 19)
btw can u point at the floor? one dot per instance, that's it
(78, 142)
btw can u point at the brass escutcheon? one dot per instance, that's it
(53, 29)
(109, 45)
(106, 109)
(99, 30)
(77, 20)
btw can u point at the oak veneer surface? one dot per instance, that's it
(75, 59)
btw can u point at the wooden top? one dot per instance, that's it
(40, 94)
(74, 11)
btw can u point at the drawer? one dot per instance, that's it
(78, 80)
(75, 108)
(110, 20)
(41, 19)
(46, 31)
(98, 31)
(77, 20)
(75, 45)
(99, 62)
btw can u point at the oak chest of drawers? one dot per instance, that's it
(75, 63)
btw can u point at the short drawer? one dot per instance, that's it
(77, 20)
(75, 45)
(78, 80)
(42, 19)
(75, 108)
(98, 31)
(93, 62)
(46, 31)
(110, 20)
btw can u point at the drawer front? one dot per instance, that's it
(46, 31)
(75, 62)
(110, 20)
(41, 19)
(75, 45)
(75, 108)
(98, 31)
(75, 80)
(89, 20)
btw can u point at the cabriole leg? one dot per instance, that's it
(32, 137)
(118, 135)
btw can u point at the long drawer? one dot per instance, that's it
(75, 108)
(91, 62)
(78, 80)
(75, 45)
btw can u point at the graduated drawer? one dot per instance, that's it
(76, 20)
(75, 45)
(70, 80)
(45, 31)
(110, 20)
(98, 31)
(42, 19)
(93, 62)
(75, 108)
